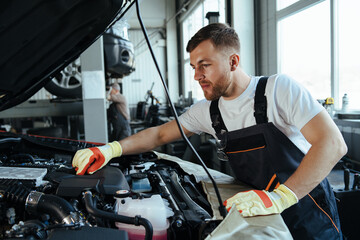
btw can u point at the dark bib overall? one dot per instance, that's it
(263, 157)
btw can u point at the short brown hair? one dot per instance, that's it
(219, 33)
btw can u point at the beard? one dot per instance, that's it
(217, 89)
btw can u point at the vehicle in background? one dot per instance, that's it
(118, 60)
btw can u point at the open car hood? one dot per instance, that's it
(40, 37)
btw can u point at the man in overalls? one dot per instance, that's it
(276, 137)
(118, 114)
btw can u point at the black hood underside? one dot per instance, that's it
(40, 37)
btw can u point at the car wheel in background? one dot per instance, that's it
(67, 83)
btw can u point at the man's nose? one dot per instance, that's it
(198, 75)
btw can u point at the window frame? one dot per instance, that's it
(183, 61)
(271, 54)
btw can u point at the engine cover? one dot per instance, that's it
(106, 181)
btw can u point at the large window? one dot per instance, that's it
(304, 48)
(193, 23)
(318, 44)
(190, 25)
(349, 51)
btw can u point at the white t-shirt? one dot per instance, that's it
(290, 107)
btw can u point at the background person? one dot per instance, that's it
(118, 114)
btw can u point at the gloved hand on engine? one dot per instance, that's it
(257, 202)
(90, 160)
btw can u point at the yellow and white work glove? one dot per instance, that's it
(257, 202)
(89, 160)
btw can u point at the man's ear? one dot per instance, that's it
(234, 61)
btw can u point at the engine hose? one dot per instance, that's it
(57, 207)
(137, 220)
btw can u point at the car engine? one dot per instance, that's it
(133, 197)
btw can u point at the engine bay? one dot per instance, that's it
(133, 197)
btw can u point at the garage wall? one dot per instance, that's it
(136, 85)
(265, 26)
(243, 23)
(153, 14)
(41, 94)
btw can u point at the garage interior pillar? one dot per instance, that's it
(94, 93)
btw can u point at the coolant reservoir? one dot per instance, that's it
(153, 209)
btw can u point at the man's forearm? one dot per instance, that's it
(327, 148)
(151, 138)
(143, 141)
(315, 166)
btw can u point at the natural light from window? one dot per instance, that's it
(190, 26)
(304, 48)
(349, 52)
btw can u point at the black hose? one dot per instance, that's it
(222, 208)
(36, 202)
(137, 220)
(57, 207)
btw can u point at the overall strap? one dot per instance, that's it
(260, 107)
(216, 119)
(260, 102)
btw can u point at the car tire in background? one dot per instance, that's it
(67, 83)
(119, 61)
